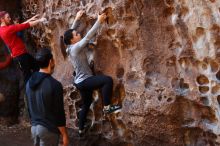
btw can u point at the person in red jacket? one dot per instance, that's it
(8, 33)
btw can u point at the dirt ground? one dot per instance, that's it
(20, 135)
(16, 135)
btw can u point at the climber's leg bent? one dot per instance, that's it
(105, 83)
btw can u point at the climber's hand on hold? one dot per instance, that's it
(44, 14)
(79, 14)
(35, 22)
(43, 18)
(34, 18)
(102, 17)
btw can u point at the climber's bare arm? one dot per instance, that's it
(76, 20)
(31, 19)
(77, 47)
(33, 23)
(34, 20)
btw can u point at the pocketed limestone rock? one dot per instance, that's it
(164, 58)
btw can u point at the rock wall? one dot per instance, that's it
(164, 58)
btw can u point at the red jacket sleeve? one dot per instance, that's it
(18, 27)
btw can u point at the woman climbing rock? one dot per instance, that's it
(84, 79)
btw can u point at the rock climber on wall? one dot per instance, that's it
(8, 33)
(84, 79)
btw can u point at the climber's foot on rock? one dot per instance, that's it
(112, 109)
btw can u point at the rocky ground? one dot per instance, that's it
(16, 135)
(20, 135)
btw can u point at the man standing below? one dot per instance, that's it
(45, 103)
(8, 33)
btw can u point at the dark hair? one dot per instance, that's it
(17, 17)
(63, 47)
(43, 57)
(68, 36)
(2, 14)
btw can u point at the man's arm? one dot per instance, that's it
(76, 48)
(18, 27)
(35, 22)
(60, 113)
(31, 19)
(76, 20)
(64, 135)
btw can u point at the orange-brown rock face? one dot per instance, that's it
(164, 58)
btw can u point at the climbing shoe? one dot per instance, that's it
(112, 109)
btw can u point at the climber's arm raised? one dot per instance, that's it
(35, 22)
(77, 47)
(31, 19)
(76, 20)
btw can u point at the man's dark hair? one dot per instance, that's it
(17, 18)
(2, 14)
(43, 57)
(68, 36)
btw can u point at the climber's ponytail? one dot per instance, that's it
(63, 47)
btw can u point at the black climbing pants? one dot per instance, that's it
(86, 88)
(27, 64)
